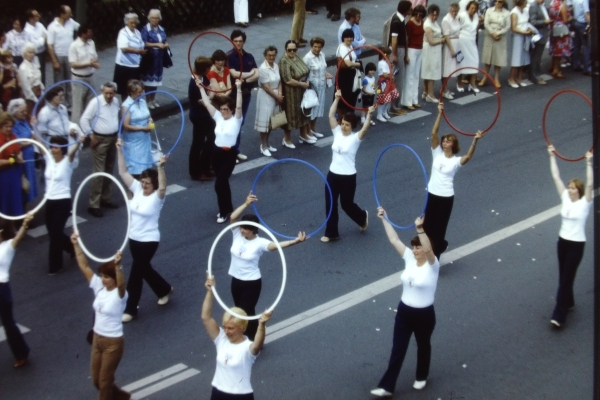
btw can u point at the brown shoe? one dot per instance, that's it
(300, 45)
(303, 41)
(205, 178)
(20, 363)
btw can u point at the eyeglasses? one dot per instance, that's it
(292, 50)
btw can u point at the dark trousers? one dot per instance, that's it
(141, 270)
(569, 256)
(334, 6)
(57, 213)
(581, 42)
(342, 187)
(409, 320)
(437, 216)
(310, 5)
(245, 106)
(218, 395)
(14, 337)
(245, 296)
(42, 59)
(203, 141)
(536, 62)
(223, 163)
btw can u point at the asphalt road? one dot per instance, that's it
(493, 338)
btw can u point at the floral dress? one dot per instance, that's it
(559, 46)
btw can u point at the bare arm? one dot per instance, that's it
(424, 239)
(73, 149)
(121, 286)
(21, 233)
(55, 63)
(301, 238)
(238, 100)
(127, 122)
(211, 326)
(162, 178)
(205, 97)
(431, 40)
(82, 261)
(367, 124)
(435, 140)
(560, 186)
(238, 211)
(259, 338)
(333, 109)
(394, 49)
(589, 185)
(125, 175)
(465, 159)
(391, 233)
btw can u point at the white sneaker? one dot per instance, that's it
(379, 392)
(419, 384)
(220, 219)
(156, 104)
(265, 152)
(126, 317)
(165, 299)
(242, 157)
(381, 119)
(150, 105)
(387, 116)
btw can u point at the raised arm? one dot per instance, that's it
(333, 109)
(82, 261)
(121, 286)
(299, 239)
(589, 172)
(424, 239)
(211, 326)
(205, 97)
(162, 178)
(560, 186)
(21, 233)
(367, 124)
(235, 215)
(465, 159)
(391, 232)
(259, 338)
(435, 140)
(238, 100)
(125, 175)
(74, 148)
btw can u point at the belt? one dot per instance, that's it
(105, 134)
(81, 76)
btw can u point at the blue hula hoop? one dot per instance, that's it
(180, 130)
(283, 160)
(375, 182)
(35, 108)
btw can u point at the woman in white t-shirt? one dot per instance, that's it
(58, 172)
(8, 246)
(235, 352)
(246, 249)
(145, 205)
(441, 183)
(228, 121)
(415, 311)
(342, 171)
(109, 302)
(576, 203)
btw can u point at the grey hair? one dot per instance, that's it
(26, 47)
(14, 105)
(130, 16)
(155, 11)
(109, 85)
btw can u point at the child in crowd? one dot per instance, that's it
(368, 91)
(384, 98)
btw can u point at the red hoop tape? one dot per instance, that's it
(190, 53)
(389, 87)
(497, 95)
(544, 122)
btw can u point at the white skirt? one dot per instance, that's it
(468, 47)
(240, 11)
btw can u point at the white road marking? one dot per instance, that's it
(41, 230)
(309, 317)
(154, 377)
(22, 328)
(471, 98)
(248, 165)
(165, 383)
(400, 119)
(174, 189)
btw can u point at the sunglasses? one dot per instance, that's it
(292, 50)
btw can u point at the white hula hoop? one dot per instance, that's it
(76, 199)
(47, 152)
(283, 267)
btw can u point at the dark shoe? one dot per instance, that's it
(109, 204)
(577, 69)
(315, 12)
(96, 212)
(52, 273)
(335, 17)
(303, 41)
(20, 363)
(205, 178)
(587, 73)
(329, 14)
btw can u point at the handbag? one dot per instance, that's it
(309, 100)
(357, 84)
(559, 30)
(167, 58)
(278, 119)
(156, 150)
(459, 57)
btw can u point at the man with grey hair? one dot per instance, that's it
(102, 129)
(84, 62)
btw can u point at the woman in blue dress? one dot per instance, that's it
(22, 130)
(136, 130)
(11, 162)
(155, 40)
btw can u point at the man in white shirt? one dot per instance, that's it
(103, 137)
(60, 37)
(581, 40)
(37, 32)
(84, 62)
(352, 16)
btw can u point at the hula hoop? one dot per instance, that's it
(283, 267)
(47, 152)
(375, 182)
(180, 130)
(497, 95)
(190, 53)
(74, 212)
(544, 122)
(283, 160)
(391, 86)
(34, 112)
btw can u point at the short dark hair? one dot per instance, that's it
(404, 6)
(433, 8)
(221, 100)
(238, 33)
(419, 10)
(60, 141)
(7, 229)
(414, 242)
(152, 174)
(83, 29)
(370, 67)
(473, 2)
(385, 50)
(218, 55)
(108, 269)
(348, 33)
(351, 13)
(268, 49)
(201, 64)
(351, 118)
(252, 218)
(317, 39)
(52, 93)
(290, 41)
(455, 144)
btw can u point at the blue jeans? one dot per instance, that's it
(581, 41)
(14, 337)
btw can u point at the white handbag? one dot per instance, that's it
(357, 84)
(309, 100)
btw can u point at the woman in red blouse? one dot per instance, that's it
(414, 34)
(219, 74)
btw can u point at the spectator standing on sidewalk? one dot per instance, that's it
(16, 38)
(352, 18)
(334, 9)
(540, 19)
(37, 34)
(581, 41)
(84, 62)
(60, 37)
(398, 42)
(240, 13)
(298, 22)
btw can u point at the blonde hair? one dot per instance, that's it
(579, 185)
(242, 323)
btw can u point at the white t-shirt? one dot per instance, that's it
(369, 84)
(226, 130)
(58, 183)
(342, 52)
(443, 170)
(126, 38)
(574, 215)
(344, 150)
(418, 283)
(61, 36)
(7, 253)
(245, 255)
(234, 365)
(145, 211)
(109, 308)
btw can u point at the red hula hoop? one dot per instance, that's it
(497, 95)
(390, 85)
(190, 53)
(544, 122)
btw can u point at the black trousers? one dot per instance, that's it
(218, 395)
(569, 256)
(203, 141)
(223, 163)
(141, 270)
(409, 320)
(342, 187)
(57, 213)
(14, 337)
(437, 216)
(334, 6)
(245, 296)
